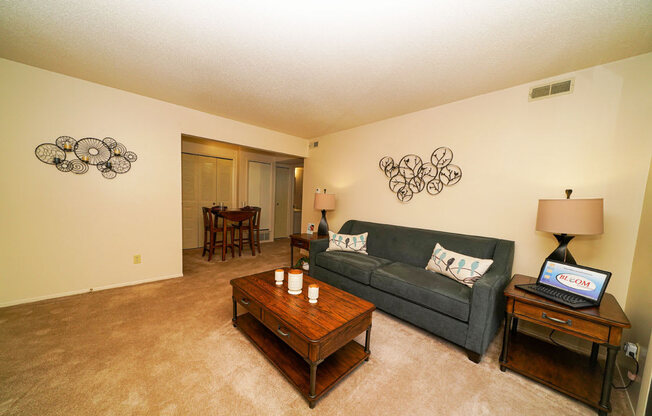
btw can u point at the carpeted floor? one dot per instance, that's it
(169, 348)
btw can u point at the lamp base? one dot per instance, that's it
(323, 225)
(562, 253)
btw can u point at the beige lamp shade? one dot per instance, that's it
(571, 216)
(325, 201)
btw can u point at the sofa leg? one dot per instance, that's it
(474, 356)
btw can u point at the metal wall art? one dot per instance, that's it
(109, 156)
(410, 176)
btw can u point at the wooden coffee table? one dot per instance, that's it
(297, 336)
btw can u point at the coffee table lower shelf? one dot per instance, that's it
(333, 369)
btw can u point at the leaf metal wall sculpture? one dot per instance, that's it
(411, 175)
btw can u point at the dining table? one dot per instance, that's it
(235, 215)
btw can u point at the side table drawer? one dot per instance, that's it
(243, 300)
(301, 244)
(564, 322)
(284, 333)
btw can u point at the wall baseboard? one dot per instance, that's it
(624, 381)
(80, 291)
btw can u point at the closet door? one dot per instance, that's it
(282, 202)
(225, 183)
(259, 192)
(199, 189)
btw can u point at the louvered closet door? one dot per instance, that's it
(199, 189)
(225, 183)
(282, 202)
(259, 191)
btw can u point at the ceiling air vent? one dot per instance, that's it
(314, 144)
(557, 88)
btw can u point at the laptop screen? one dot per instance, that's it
(582, 281)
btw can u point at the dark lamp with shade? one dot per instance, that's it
(566, 218)
(324, 202)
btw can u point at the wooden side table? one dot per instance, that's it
(569, 372)
(302, 241)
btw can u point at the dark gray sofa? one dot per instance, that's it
(394, 278)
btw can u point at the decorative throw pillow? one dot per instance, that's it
(459, 267)
(344, 242)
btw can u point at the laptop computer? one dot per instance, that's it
(569, 284)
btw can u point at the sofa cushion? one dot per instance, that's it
(352, 265)
(425, 288)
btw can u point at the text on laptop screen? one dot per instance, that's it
(581, 282)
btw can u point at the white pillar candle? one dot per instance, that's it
(295, 281)
(279, 276)
(313, 293)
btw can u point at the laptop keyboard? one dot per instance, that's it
(567, 297)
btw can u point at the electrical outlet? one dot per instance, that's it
(137, 259)
(631, 350)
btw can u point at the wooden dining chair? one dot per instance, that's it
(241, 239)
(211, 229)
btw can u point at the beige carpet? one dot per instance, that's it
(169, 348)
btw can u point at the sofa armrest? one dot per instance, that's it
(316, 247)
(488, 300)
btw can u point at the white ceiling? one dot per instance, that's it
(309, 68)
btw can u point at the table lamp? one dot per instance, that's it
(324, 202)
(566, 218)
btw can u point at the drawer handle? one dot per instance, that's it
(285, 334)
(244, 301)
(559, 321)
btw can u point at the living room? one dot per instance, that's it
(72, 238)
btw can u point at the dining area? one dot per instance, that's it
(228, 229)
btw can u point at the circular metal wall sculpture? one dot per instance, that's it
(110, 157)
(94, 150)
(411, 175)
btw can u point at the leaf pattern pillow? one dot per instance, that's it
(345, 242)
(459, 267)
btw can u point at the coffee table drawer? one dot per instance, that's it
(580, 326)
(283, 332)
(251, 305)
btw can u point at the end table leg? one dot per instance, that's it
(514, 325)
(235, 312)
(608, 378)
(367, 341)
(594, 353)
(313, 380)
(503, 353)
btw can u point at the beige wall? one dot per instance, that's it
(596, 140)
(66, 233)
(639, 300)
